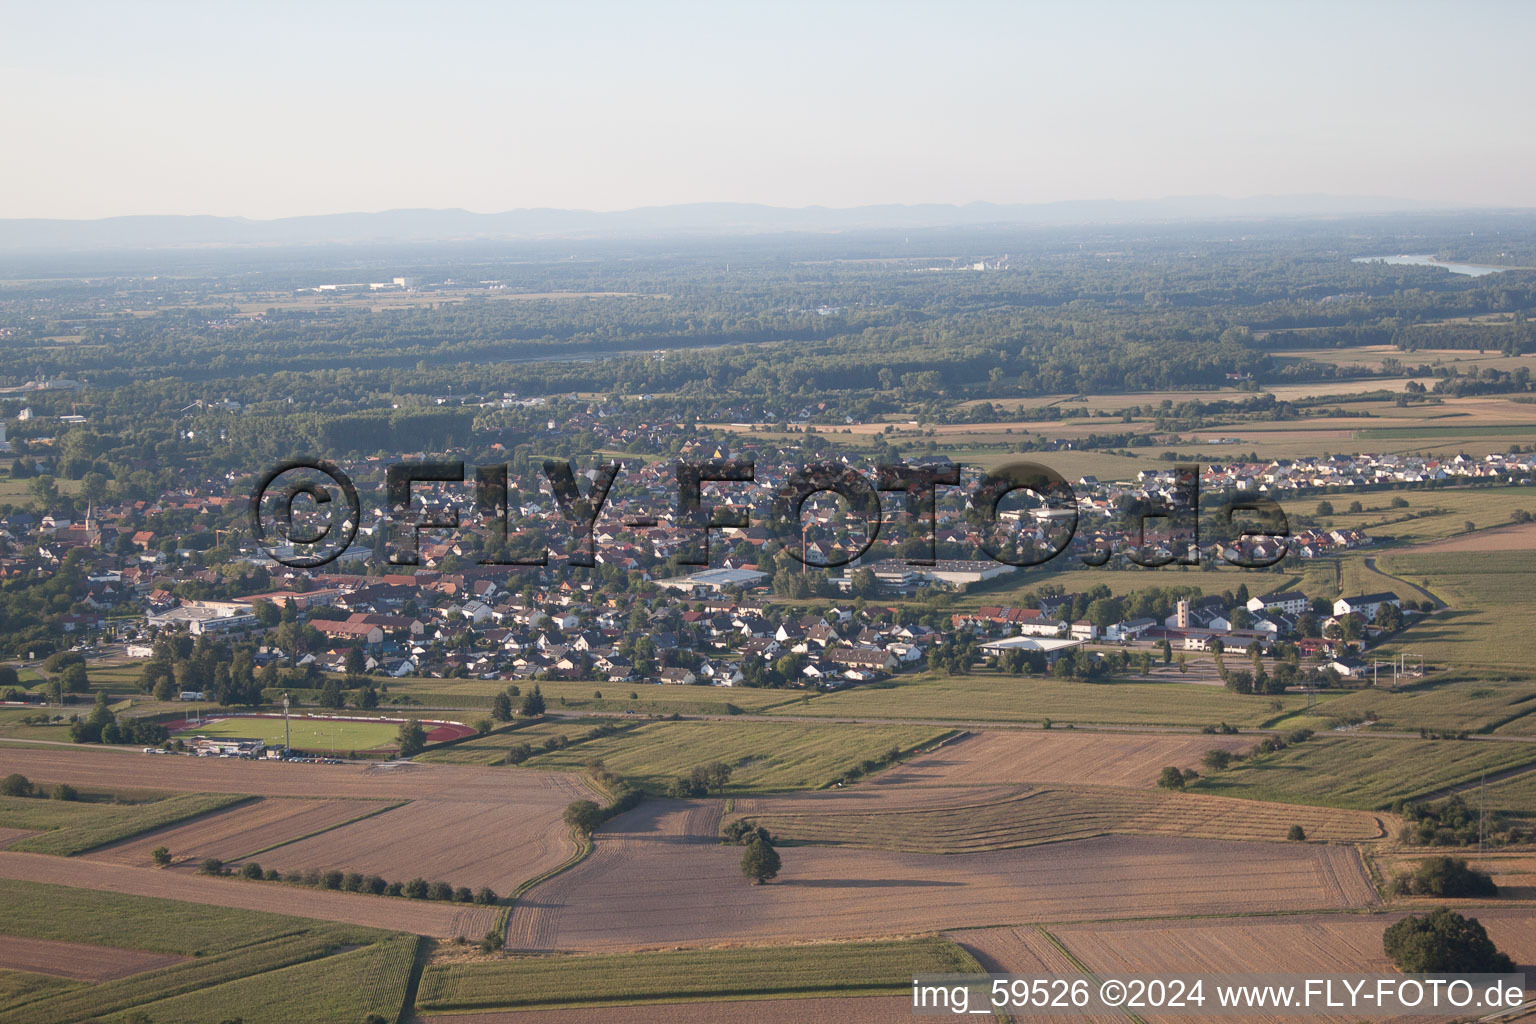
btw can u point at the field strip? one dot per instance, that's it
(78, 960)
(320, 831)
(440, 920)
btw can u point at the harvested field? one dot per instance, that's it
(1095, 758)
(837, 1010)
(1024, 952)
(1316, 944)
(442, 920)
(972, 821)
(238, 831)
(657, 876)
(462, 825)
(77, 960)
(464, 842)
(10, 835)
(1505, 538)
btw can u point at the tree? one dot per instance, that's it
(1171, 778)
(1325, 508)
(501, 707)
(1216, 759)
(760, 862)
(75, 679)
(64, 791)
(1296, 834)
(412, 738)
(161, 856)
(15, 785)
(1443, 942)
(267, 613)
(717, 774)
(330, 694)
(357, 661)
(583, 815)
(533, 703)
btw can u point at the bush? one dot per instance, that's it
(485, 896)
(15, 785)
(1171, 778)
(583, 815)
(375, 884)
(1445, 876)
(353, 882)
(416, 889)
(1296, 834)
(394, 889)
(273, 875)
(1443, 942)
(332, 880)
(463, 894)
(251, 871)
(64, 791)
(439, 891)
(161, 856)
(211, 866)
(742, 833)
(491, 942)
(1216, 759)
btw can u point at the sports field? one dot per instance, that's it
(317, 735)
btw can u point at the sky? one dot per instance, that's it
(271, 109)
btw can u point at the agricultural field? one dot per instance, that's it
(66, 827)
(1364, 772)
(240, 831)
(608, 980)
(182, 888)
(1335, 944)
(987, 695)
(765, 756)
(1488, 594)
(973, 821)
(1005, 756)
(1440, 703)
(492, 749)
(468, 842)
(657, 873)
(809, 1010)
(195, 963)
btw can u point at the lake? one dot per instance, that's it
(1466, 269)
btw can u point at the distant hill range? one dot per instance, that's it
(693, 219)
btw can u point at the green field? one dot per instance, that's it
(77, 826)
(492, 749)
(264, 968)
(845, 968)
(1489, 594)
(312, 734)
(1447, 703)
(1363, 772)
(994, 696)
(1517, 794)
(766, 756)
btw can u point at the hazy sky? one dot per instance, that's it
(270, 109)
